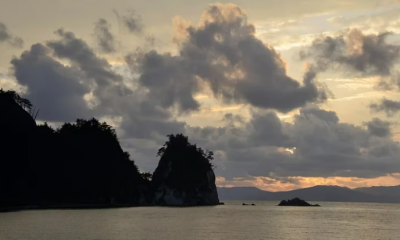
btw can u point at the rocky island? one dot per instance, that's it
(82, 165)
(184, 176)
(297, 202)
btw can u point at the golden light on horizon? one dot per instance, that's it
(292, 183)
(218, 108)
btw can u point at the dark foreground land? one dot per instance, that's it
(82, 165)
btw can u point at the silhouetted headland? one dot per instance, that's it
(82, 165)
(296, 202)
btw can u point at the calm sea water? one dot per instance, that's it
(353, 221)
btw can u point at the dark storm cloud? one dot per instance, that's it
(378, 127)
(107, 84)
(58, 91)
(390, 107)
(365, 54)
(78, 52)
(261, 130)
(6, 36)
(369, 54)
(156, 129)
(105, 39)
(328, 116)
(133, 22)
(223, 52)
(142, 116)
(232, 119)
(168, 78)
(267, 130)
(321, 145)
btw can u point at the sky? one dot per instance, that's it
(288, 94)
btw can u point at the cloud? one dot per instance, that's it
(366, 54)
(57, 90)
(390, 107)
(67, 80)
(132, 22)
(390, 83)
(6, 36)
(107, 84)
(379, 128)
(223, 53)
(232, 119)
(384, 19)
(328, 116)
(267, 129)
(104, 37)
(316, 144)
(167, 79)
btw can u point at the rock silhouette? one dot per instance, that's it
(184, 176)
(296, 202)
(82, 164)
(16, 131)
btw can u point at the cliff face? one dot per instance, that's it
(184, 177)
(204, 194)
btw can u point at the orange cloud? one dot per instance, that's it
(396, 135)
(218, 108)
(306, 66)
(286, 65)
(180, 29)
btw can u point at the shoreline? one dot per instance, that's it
(94, 207)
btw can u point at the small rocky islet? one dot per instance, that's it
(297, 202)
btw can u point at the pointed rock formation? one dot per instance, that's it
(184, 176)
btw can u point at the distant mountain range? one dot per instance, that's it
(317, 193)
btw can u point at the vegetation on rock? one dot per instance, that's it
(187, 162)
(184, 175)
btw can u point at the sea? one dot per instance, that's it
(232, 221)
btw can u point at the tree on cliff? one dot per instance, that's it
(23, 102)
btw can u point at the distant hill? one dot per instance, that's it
(393, 192)
(317, 193)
